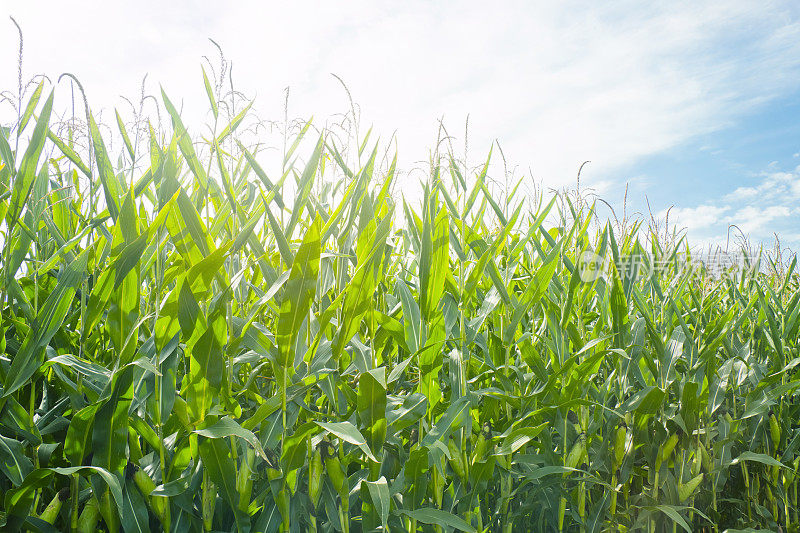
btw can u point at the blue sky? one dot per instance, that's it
(694, 104)
(745, 174)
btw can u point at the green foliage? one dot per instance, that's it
(194, 341)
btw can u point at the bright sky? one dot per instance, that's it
(694, 104)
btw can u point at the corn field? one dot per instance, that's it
(194, 340)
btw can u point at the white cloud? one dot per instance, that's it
(696, 219)
(759, 211)
(756, 221)
(773, 185)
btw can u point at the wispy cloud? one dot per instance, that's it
(773, 185)
(758, 212)
(556, 83)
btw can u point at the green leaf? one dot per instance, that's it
(412, 410)
(304, 187)
(23, 183)
(206, 368)
(434, 262)
(518, 438)
(227, 427)
(237, 120)
(379, 492)
(672, 512)
(348, 433)
(758, 458)
(294, 452)
(13, 461)
(79, 433)
(280, 238)
(371, 403)
(125, 138)
(18, 501)
(185, 144)
(217, 460)
(533, 293)
(298, 293)
(479, 184)
(108, 479)
(210, 93)
(135, 517)
(110, 431)
(645, 401)
(451, 419)
(412, 319)
(111, 187)
(262, 175)
(189, 235)
(29, 109)
(429, 515)
(358, 295)
(31, 356)
(619, 310)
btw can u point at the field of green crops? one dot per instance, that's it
(196, 338)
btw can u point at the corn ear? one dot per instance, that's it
(620, 438)
(774, 430)
(686, 489)
(315, 471)
(575, 454)
(108, 510)
(665, 452)
(146, 485)
(244, 482)
(87, 522)
(697, 462)
(50, 512)
(456, 460)
(209, 500)
(707, 466)
(335, 471)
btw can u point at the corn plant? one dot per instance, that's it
(196, 340)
